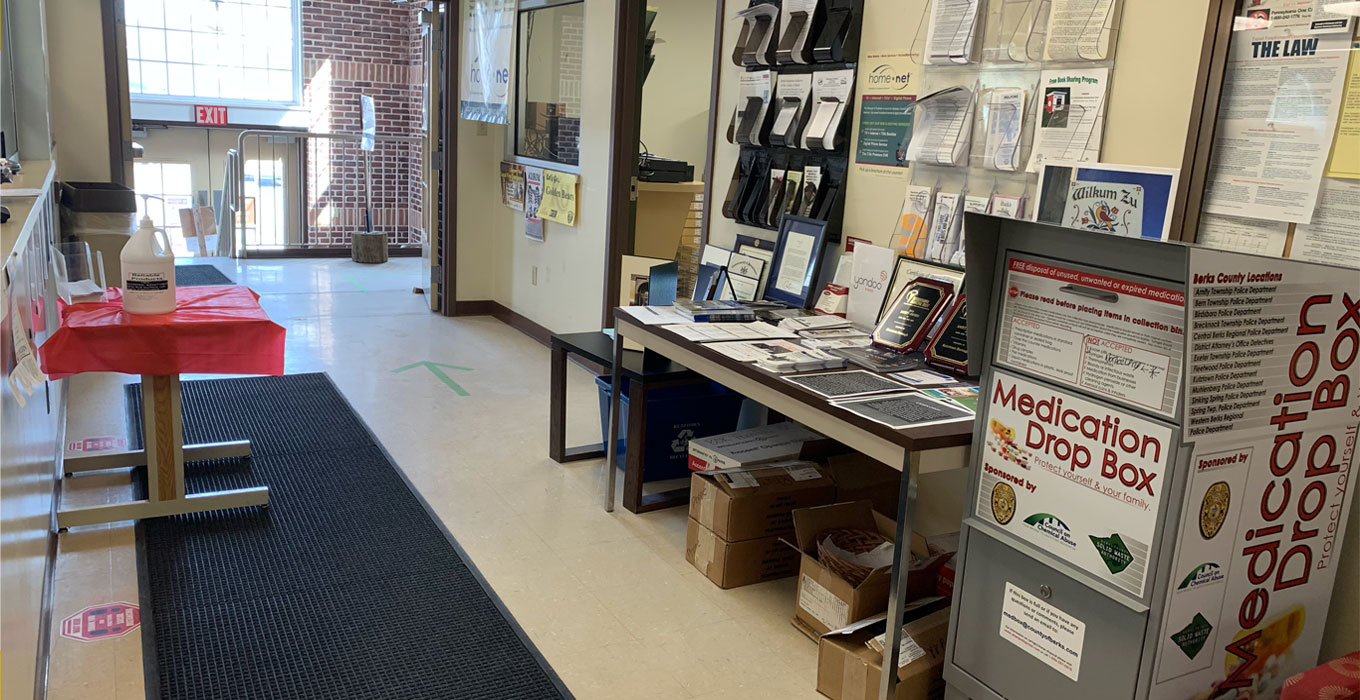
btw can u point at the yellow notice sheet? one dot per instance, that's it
(1345, 161)
(559, 198)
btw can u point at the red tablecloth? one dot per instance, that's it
(1335, 680)
(213, 330)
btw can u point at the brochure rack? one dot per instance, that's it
(1005, 62)
(1153, 458)
(794, 111)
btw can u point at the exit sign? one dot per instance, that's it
(209, 115)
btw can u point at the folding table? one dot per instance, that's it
(213, 330)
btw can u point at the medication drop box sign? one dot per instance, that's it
(1079, 479)
(1120, 339)
(1274, 402)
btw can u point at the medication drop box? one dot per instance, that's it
(1160, 483)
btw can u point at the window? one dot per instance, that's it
(548, 107)
(173, 183)
(242, 51)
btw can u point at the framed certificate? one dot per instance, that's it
(797, 261)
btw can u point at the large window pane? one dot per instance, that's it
(225, 46)
(548, 117)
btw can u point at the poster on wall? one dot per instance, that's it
(887, 94)
(558, 201)
(533, 196)
(1281, 96)
(487, 53)
(512, 185)
(1122, 200)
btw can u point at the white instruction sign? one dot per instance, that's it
(1077, 478)
(1043, 631)
(822, 604)
(1118, 338)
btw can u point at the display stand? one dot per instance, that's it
(1161, 479)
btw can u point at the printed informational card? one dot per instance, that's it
(1081, 480)
(1119, 338)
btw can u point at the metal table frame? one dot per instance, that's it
(164, 455)
(913, 451)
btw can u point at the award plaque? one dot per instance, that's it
(948, 350)
(911, 314)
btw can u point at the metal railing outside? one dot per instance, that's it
(237, 171)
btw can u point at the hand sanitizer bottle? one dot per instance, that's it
(148, 269)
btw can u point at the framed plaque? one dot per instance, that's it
(910, 316)
(948, 349)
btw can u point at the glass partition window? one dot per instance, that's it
(548, 84)
(243, 51)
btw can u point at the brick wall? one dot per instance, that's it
(571, 57)
(352, 48)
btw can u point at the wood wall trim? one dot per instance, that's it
(451, 27)
(115, 85)
(1199, 140)
(713, 120)
(506, 315)
(625, 125)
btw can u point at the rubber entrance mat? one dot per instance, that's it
(346, 588)
(199, 276)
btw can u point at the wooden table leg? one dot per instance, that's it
(162, 431)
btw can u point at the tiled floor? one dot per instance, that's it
(607, 598)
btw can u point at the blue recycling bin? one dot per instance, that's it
(674, 416)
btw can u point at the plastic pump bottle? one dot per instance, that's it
(148, 269)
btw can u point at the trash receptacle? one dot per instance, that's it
(675, 415)
(102, 215)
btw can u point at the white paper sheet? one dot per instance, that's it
(764, 255)
(1334, 235)
(830, 94)
(1079, 30)
(1242, 235)
(943, 226)
(655, 315)
(797, 261)
(713, 255)
(1070, 116)
(953, 28)
(943, 128)
(1281, 95)
(714, 332)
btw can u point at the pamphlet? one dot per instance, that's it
(533, 196)
(830, 94)
(1119, 338)
(1079, 30)
(1003, 112)
(953, 29)
(1071, 116)
(910, 237)
(943, 129)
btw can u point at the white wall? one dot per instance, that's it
(675, 97)
(79, 111)
(495, 258)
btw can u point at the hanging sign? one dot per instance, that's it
(559, 198)
(369, 123)
(487, 51)
(210, 115)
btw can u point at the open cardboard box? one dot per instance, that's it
(756, 502)
(848, 669)
(825, 600)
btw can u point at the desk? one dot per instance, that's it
(644, 373)
(221, 330)
(914, 451)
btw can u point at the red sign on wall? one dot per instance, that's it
(210, 115)
(102, 622)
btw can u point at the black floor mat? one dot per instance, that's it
(347, 586)
(199, 276)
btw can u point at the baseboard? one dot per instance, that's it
(504, 314)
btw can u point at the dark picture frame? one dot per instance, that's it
(789, 227)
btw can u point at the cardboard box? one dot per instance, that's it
(733, 564)
(848, 669)
(862, 478)
(743, 448)
(750, 502)
(825, 600)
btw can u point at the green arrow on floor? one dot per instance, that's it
(436, 369)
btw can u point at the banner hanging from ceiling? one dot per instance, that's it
(488, 48)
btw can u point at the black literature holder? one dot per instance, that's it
(749, 126)
(785, 129)
(839, 36)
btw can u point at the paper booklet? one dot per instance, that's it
(1079, 30)
(1071, 109)
(1003, 114)
(911, 224)
(953, 32)
(943, 130)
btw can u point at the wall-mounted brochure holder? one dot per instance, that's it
(952, 32)
(790, 109)
(943, 130)
(831, 92)
(1016, 31)
(821, 132)
(759, 36)
(802, 20)
(768, 185)
(753, 113)
(838, 40)
(1006, 128)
